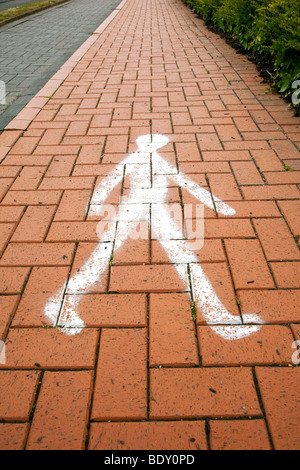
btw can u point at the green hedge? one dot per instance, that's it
(266, 27)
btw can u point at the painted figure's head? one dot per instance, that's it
(151, 142)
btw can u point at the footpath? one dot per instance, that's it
(119, 330)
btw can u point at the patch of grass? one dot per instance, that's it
(287, 168)
(24, 10)
(194, 311)
(50, 327)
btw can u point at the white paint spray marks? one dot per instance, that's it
(138, 195)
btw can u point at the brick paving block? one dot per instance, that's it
(267, 160)
(219, 277)
(90, 154)
(245, 124)
(121, 382)
(172, 333)
(64, 182)
(224, 187)
(146, 196)
(116, 145)
(25, 146)
(10, 214)
(246, 173)
(287, 275)
(73, 206)
(61, 415)
(8, 138)
(226, 155)
(78, 128)
(43, 283)
(291, 211)
(209, 142)
(249, 209)
(12, 280)
(173, 435)
(169, 157)
(113, 198)
(239, 435)
(197, 178)
(18, 389)
(111, 310)
(190, 211)
(61, 165)
(8, 306)
(93, 170)
(34, 224)
(268, 346)
(228, 133)
(133, 251)
(38, 254)
(296, 332)
(279, 391)
(87, 231)
(5, 184)
(196, 393)
(6, 231)
(248, 265)
(179, 119)
(13, 436)
(215, 105)
(156, 278)
(188, 152)
(293, 164)
(52, 137)
(226, 228)
(32, 198)
(261, 116)
(211, 251)
(28, 179)
(204, 167)
(84, 259)
(270, 135)
(284, 149)
(247, 145)
(277, 241)
(28, 160)
(9, 171)
(102, 120)
(283, 177)
(270, 192)
(161, 125)
(273, 306)
(49, 348)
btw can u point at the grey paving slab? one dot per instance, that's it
(34, 48)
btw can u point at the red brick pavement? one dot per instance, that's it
(142, 374)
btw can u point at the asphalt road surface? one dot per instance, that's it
(35, 47)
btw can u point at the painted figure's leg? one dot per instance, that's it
(94, 268)
(214, 312)
(92, 271)
(98, 262)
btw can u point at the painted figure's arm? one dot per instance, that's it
(203, 195)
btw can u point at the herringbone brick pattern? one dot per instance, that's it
(142, 373)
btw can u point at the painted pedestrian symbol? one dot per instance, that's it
(139, 167)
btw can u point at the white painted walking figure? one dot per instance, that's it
(139, 167)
